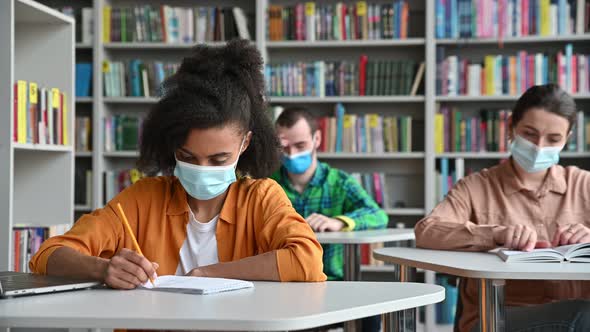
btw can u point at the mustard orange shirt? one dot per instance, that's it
(493, 198)
(256, 217)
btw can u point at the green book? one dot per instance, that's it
(129, 132)
(377, 70)
(457, 131)
(404, 134)
(124, 25)
(409, 77)
(369, 78)
(386, 78)
(393, 78)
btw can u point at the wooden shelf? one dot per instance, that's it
(42, 147)
(514, 40)
(121, 154)
(154, 45)
(85, 100)
(344, 43)
(130, 100)
(348, 99)
(502, 98)
(391, 155)
(83, 154)
(405, 212)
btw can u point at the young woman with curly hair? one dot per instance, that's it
(200, 219)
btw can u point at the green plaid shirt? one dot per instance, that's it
(334, 193)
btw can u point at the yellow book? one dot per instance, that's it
(395, 134)
(22, 111)
(361, 10)
(545, 17)
(490, 69)
(64, 122)
(371, 124)
(346, 136)
(439, 125)
(106, 24)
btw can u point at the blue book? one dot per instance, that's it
(447, 18)
(444, 172)
(440, 19)
(317, 77)
(569, 49)
(561, 17)
(135, 78)
(339, 126)
(454, 20)
(83, 79)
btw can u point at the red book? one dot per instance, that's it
(378, 189)
(15, 114)
(44, 110)
(365, 254)
(363, 75)
(299, 22)
(531, 71)
(343, 22)
(404, 19)
(502, 138)
(164, 23)
(17, 251)
(574, 74)
(483, 142)
(322, 129)
(525, 18)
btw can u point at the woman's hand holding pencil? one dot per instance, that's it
(128, 268)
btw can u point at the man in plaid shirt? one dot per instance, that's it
(328, 198)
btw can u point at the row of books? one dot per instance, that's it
(456, 131)
(339, 21)
(40, 115)
(169, 24)
(28, 240)
(122, 132)
(135, 78)
(83, 187)
(83, 79)
(510, 18)
(344, 78)
(511, 74)
(83, 139)
(369, 133)
(117, 180)
(448, 172)
(84, 22)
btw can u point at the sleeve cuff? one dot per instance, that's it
(38, 263)
(350, 224)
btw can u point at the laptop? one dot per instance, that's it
(17, 284)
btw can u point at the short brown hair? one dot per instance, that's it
(548, 97)
(291, 115)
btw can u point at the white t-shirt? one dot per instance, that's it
(200, 246)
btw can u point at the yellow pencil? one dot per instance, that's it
(130, 231)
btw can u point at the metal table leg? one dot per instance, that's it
(492, 316)
(401, 321)
(352, 271)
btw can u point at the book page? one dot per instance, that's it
(199, 285)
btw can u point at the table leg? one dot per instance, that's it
(492, 316)
(352, 271)
(401, 321)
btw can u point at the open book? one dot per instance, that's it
(572, 253)
(196, 285)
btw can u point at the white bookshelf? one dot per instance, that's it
(347, 99)
(516, 40)
(345, 43)
(36, 181)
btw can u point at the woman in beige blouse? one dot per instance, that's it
(526, 202)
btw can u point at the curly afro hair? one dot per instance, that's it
(214, 87)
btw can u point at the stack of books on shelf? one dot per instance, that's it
(84, 22)
(511, 18)
(512, 75)
(374, 184)
(338, 21)
(456, 131)
(27, 241)
(169, 24)
(83, 79)
(447, 174)
(344, 78)
(40, 115)
(83, 187)
(122, 132)
(83, 134)
(117, 180)
(487, 131)
(136, 78)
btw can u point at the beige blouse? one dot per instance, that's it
(495, 197)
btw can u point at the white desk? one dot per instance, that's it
(489, 268)
(270, 306)
(353, 240)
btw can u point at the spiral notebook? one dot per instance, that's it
(196, 285)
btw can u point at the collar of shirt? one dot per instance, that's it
(554, 181)
(179, 204)
(317, 180)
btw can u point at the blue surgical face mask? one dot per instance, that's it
(206, 182)
(298, 163)
(531, 157)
